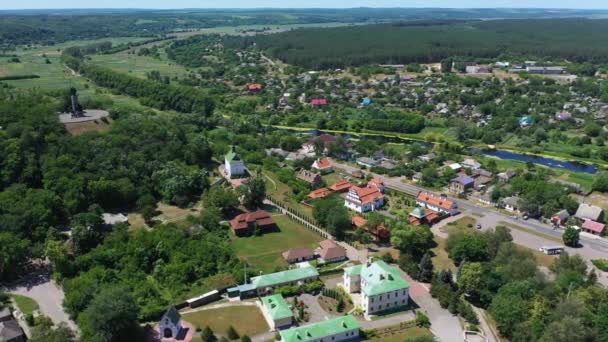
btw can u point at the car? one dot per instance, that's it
(478, 226)
(525, 217)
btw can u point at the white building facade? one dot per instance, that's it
(234, 166)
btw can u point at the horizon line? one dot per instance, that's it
(297, 8)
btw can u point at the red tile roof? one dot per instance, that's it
(434, 200)
(298, 253)
(376, 182)
(359, 221)
(323, 163)
(319, 193)
(593, 226)
(243, 221)
(318, 102)
(255, 86)
(341, 185)
(330, 250)
(367, 195)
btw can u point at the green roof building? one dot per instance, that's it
(277, 312)
(233, 165)
(382, 286)
(334, 330)
(296, 276)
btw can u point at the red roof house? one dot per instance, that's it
(593, 227)
(323, 165)
(359, 221)
(439, 203)
(254, 87)
(377, 183)
(330, 251)
(319, 193)
(298, 254)
(318, 102)
(364, 199)
(244, 224)
(341, 186)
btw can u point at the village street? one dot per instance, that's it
(529, 233)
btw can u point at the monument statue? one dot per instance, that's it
(75, 108)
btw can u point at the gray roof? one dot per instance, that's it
(512, 201)
(562, 214)
(10, 330)
(5, 314)
(173, 316)
(586, 211)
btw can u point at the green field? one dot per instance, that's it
(402, 335)
(139, 65)
(264, 252)
(26, 304)
(247, 320)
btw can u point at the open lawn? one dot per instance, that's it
(402, 335)
(246, 319)
(441, 260)
(264, 252)
(26, 304)
(139, 66)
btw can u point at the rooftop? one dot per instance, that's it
(316, 331)
(276, 307)
(381, 278)
(283, 277)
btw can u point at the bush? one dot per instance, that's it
(601, 264)
(422, 320)
(231, 333)
(29, 319)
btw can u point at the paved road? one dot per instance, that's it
(49, 296)
(592, 247)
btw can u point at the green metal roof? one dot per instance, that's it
(319, 330)
(283, 277)
(418, 213)
(381, 278)
(276, 306)
(353, 270)
(231, 155)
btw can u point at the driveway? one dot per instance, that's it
(49, 296)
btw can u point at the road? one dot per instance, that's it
(532, 234)
(49, 296)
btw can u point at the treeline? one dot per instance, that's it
(577, 40)
(18, 77)
(151, 93)
(393, 121)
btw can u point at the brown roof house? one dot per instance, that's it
(329, 251)
(312, 178)
(295, 255)
(245, 224)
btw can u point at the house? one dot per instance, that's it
(546, 70)
(511, 203)
(5, 315)
(367, 162)
(560, 217)
(10, 331)
(357, 174)
(420, 216)
(366, 101)
(417, 177)
(312, 178)
(380, 233)
(329, 251)
(525, 121)
(506, 176)
(295, 255)
(593, 227)
(438, 203)
(170, 325)
(266, 283)
(382, 287)
(323, 165)
(427, 157)
(364, 199)
(324, 138)
(318, 102)
(276, 311)
(589, 212)
(341, 186)
(563, 116)
(471, 164)
(254, 88)
(455, 166)
(343, 328)
(244, 224)
(461, 184)
(233, 165)
(319, 193)
(110, 219)
(376, 183)
(203, 299)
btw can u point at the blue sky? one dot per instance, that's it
(29, 4)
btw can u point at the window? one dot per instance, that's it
(380, 297)
(388, 295)
(404, 301)
(372, 299)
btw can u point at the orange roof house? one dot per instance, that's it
(359, 221)
(323, 165)
(254, 87)
(330, 251)
(439, 203)
(319, 193)
(341, 186)
(376, 182)
(364, 199)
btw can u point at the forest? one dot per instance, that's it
(575, 40)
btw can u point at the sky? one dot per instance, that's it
(175, 4)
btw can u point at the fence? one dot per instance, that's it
(299, 217)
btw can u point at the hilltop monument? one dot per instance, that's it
(75, 107)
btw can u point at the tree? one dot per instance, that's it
(425, 273)
(5, 299)
(111, 316)
(178, 183)
(422, 320)
(470, 278)
(87, 232)
(571, 236)
(245, 338)
(565, 330)
(470, 247)
(44, 332)
(13, 254)
(413, 240)
(340, 306)
(207, 335)
(600, 182)
(224, 199)
(231, 333)
(254, 193)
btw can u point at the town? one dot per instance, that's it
(292, 175)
